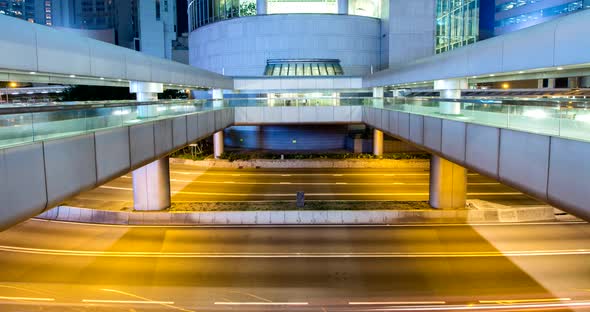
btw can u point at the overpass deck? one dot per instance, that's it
(51, 153)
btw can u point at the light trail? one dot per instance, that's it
(262, 303)
(26, 298)
(139, 254)
(397, 303)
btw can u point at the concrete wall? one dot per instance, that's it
(551, 169)
(38, 176)
(411, 31)
(298, 114)
(29, 47)
(241, 46)
(266, 84)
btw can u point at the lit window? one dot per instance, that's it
(303, 67)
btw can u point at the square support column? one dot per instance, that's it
(377, 142)
(151, 186)
(217, 96)
(260, 7)
(448, 184)
(146, 92)
(450, 89)
(378, 94)
(342, 6)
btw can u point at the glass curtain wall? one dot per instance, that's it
(203, 12)
(457, 23)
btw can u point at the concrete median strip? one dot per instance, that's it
(298, 217)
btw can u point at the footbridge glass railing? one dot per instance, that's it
(563, 118)
(26, 124)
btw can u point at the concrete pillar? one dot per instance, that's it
(378, 94)
(145, 92)
(377, 142)
(450, 89)
(261, 7)
(151, 186)
(540, 83)
(217, 96)
(573, 82)
(584, 83)
(551, 83)
(342, 6)
(448, 184)
(218, 144)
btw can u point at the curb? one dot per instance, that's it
(293, 217)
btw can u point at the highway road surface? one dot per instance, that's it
(190, 183)
(56, 266)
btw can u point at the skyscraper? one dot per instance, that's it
(511, 15)
(34, 11)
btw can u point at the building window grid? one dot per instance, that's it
(300, 68)
(565, 8)
(457, 24)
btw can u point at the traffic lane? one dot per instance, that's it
(288, 239)
(279, 186)
(322, 282)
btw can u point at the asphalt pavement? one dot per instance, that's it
(56, 266)
(191, 183)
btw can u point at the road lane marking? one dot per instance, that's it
(127, 301)
(262, 303)
(144, 300)
(154, 254)
(313, 194)
(396, 302)
(511, 301)
(324, 183)
(26, 298)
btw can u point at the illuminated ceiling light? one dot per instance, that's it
(101, 78)
(521, 72)
(13, 84)
(32, 73)
(72, 76)
(119, 80)
(559, 68)
(505, 86)
(492, 75)
(474, 77)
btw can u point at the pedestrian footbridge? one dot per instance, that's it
(51, 153)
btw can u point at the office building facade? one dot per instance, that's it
(512, 15)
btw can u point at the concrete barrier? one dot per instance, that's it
(302, 217)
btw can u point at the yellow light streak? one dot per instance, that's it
(26, 298)
(396, 303)
(512, 301)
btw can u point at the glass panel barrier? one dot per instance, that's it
(556, 118)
